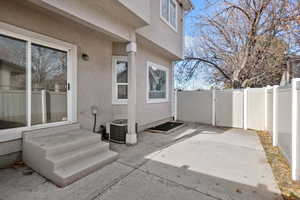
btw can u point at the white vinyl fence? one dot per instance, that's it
(255, 108)
(284, 119)
(274, 109)
(194, 106)
(229, 110)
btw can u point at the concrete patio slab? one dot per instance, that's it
(236, 137)
(148, 187)
(195, 162)
(135, 156)
(15, 186)
(219, 168)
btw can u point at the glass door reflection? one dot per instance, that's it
(49, 85)
(13, 112)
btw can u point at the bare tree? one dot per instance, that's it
(244, 42)
(48, 67)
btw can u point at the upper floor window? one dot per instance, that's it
(120, 80)
(168, 12)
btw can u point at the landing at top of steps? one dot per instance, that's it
(51, 130)
(64, 138)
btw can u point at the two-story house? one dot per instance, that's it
(59, 59)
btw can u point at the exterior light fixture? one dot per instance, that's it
(85, 57)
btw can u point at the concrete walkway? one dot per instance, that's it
(194, 163)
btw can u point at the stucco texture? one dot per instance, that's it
(159, 32)
(94, 76)
(147, 113)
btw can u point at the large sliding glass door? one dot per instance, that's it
(34, 85)
(13, 112)
(49, 85)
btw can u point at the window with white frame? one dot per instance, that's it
(168, 12)
(33, 69)
(120, 80)
(157, 83)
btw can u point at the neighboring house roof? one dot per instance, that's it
(292, 71)
(294, 62)
(187, 4)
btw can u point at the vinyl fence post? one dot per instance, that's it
(44, 106)
(295, 131)
(275, 115)
(213, 120)
(266, 107)
(246, 108)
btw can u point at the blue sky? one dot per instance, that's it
(189, 18)
(200, 7)
(196, 82)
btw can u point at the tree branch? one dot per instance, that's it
(211, 63)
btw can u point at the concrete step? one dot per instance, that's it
(61, 160)
(65, 142)
(65, 157)
(74, 171)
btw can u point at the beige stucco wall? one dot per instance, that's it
(121, 18)
(92, 74)
(139, 7)
(95, 75)
(147, 113)
(161, 33)
(95, 14)
(150, 112)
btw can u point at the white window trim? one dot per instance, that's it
(176, 16)
(160, 67)
(36, 38)
(115, 100)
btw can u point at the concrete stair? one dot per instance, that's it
(66, 153)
